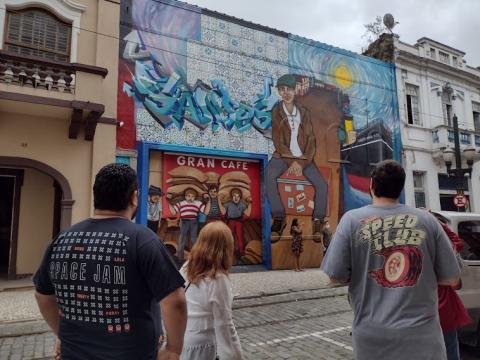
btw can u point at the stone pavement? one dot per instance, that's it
(20, 305)
(38, 346)
(312, 324)
(258, 297)
(309, 324)
(273, 322)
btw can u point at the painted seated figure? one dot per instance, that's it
(295, 146)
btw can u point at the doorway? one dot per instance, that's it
(11, 181)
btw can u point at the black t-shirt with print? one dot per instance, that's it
(108, 276)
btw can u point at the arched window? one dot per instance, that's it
(36, 32)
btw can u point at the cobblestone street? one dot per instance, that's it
(301, 324)
(312, 324)
(317, 326)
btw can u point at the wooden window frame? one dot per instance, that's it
(19, 44)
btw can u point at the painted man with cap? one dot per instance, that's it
(294, 141)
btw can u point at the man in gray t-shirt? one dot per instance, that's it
(393, 257)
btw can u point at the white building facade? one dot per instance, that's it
(434, 83)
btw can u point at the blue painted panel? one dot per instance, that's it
(122, 160)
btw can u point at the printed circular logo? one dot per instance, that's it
(401, 267)
(396, 267)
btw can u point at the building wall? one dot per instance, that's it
(31, 130)
(89, 18)
(205, 83)
(35, 221)
(50, 145)
(421, 152)
(76, 159)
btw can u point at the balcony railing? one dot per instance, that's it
(35, 72)
(443, 136)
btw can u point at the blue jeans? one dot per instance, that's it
(451, 344)
(187, 226)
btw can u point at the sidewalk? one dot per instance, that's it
(17, 303)
(9, 285)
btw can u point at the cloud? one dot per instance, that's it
(340, 22)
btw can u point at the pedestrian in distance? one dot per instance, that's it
(101, 281)
(210, 329)
(327, 237)
(393, 257)
(453, 314)
(296, 230)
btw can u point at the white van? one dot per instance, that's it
(467, 226)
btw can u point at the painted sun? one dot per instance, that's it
(343, 76)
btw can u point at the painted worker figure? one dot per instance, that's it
(154, 213)
(188, 210)
(294, 141)
(234, 211)
(213, 209)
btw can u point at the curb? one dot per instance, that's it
(38, 326)
(20, 288)
(288, 296)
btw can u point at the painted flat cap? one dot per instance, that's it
(287, 80)
(154, 190)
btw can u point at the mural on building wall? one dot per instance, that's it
(322, 115)
(372, 126)
(199, 190)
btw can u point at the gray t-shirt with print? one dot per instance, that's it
(393, 257)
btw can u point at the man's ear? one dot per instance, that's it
(371, 188)
(134, 199)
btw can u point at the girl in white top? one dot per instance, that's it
(210, 330)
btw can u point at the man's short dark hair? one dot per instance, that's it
(388, 179)
(113, 187)
(213, 187)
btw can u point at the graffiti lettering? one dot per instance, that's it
(171, 102)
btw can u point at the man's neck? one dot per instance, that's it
(290, 107)
(104, 214)
(383, 201)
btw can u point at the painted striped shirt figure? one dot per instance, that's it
(189, 210)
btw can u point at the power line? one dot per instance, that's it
(239, 67)
(229, 65)
(261, 28)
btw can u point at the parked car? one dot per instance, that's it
(467, 226)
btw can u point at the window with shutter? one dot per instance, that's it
(413, 106)
(419, 189)
(476, 116)
(36, 32)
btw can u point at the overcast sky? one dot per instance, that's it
(340, 22)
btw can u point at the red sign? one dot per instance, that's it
(460, 201)
(199, 172)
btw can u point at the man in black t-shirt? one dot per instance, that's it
(100, 282)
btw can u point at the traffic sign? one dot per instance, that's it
(460, 201)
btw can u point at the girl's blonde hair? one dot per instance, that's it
(212, 252)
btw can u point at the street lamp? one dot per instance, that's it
(450, 154)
